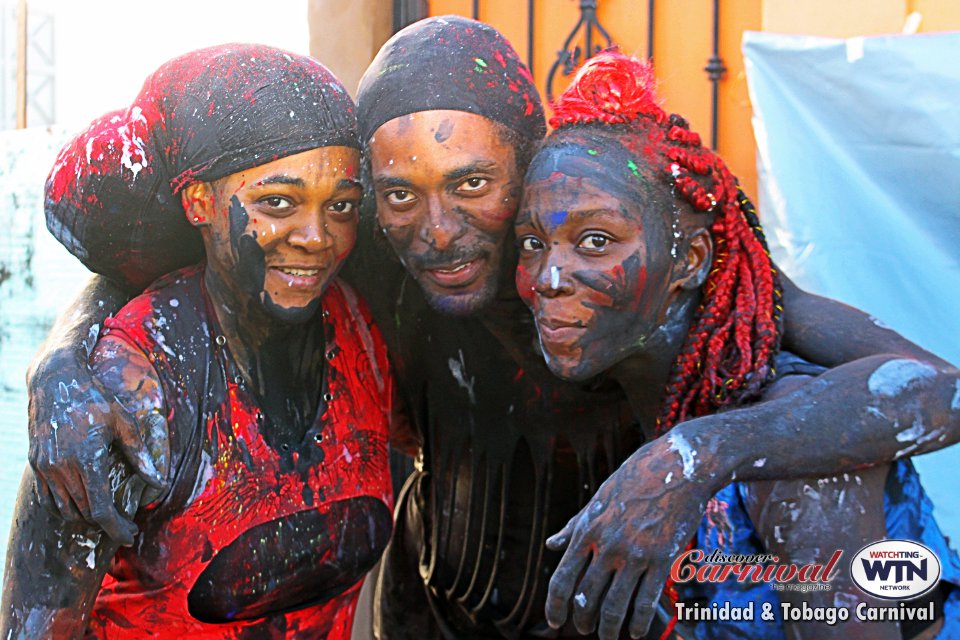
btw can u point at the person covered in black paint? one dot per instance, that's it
(509, 453)
(267, 369)
(643, 262)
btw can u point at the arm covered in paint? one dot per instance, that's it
(830, 333)
(74, 420)
(55, 567)
(870, 411)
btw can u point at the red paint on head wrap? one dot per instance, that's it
(610, 88)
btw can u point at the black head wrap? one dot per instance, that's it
(450, 62)
(112, 196)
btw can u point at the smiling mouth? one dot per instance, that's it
(300, 277)
(300, 273)
(456, 275)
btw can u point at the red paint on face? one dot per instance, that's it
(525, 286)
(585, 254)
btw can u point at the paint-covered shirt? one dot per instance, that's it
(253, 541)
(510, 454)
(909, 516)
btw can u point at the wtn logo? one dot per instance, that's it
(895, 569)
(904, 569)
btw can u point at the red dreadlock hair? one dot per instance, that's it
(734, 337)
(728, 353)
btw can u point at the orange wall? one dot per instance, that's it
(682, 46)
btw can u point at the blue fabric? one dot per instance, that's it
(858, 146)
(909, 516)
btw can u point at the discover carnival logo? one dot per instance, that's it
(895, 569)
(888, 569)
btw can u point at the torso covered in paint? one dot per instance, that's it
(908, 515)
(251, 541)
(510, 454)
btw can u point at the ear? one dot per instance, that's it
(695, 267)
(197, 201)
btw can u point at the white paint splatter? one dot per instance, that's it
(554, 277)
(458, 369)
(759, 463)
(581, 600)
(88, 544)
(132, 142)
(669, 477)
(880, 323)
(687, 453)
(174, 303)
(912, 433)
(876, 412)
(894, 376)
(776, 534)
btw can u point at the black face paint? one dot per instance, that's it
(443, 131)
(251, 268)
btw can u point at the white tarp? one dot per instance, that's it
(859, 162)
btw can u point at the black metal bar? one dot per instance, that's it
(715, 71)
(571, 59)
(650, 23)
(407, 12)
(530, 33)
(589, 9)
(476, 9)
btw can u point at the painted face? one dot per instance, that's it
(278, 233)
(595, 261)
(447, 192)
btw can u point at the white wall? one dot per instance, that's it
(106, 48)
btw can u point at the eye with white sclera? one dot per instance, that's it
(531, 243)
(594, 242)
(472, 185)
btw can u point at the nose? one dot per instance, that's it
(441, 227)
(552, 281)
(311, 233)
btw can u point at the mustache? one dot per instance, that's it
(443, 259)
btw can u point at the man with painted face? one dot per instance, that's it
(509, 452)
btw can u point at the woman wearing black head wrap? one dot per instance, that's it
(277, 495)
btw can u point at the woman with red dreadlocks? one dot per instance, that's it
(643, 262)
(267, 368)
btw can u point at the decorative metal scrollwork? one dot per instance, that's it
(569, 59)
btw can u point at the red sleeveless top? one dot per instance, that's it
(251, 541)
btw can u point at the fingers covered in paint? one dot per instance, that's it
(639, 521)
(143, 442)
(616, 604)
(563, 581)
(645, 604)
(587, 598)
(560, 540)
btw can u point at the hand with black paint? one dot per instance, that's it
(629, 534)
(74, 422)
